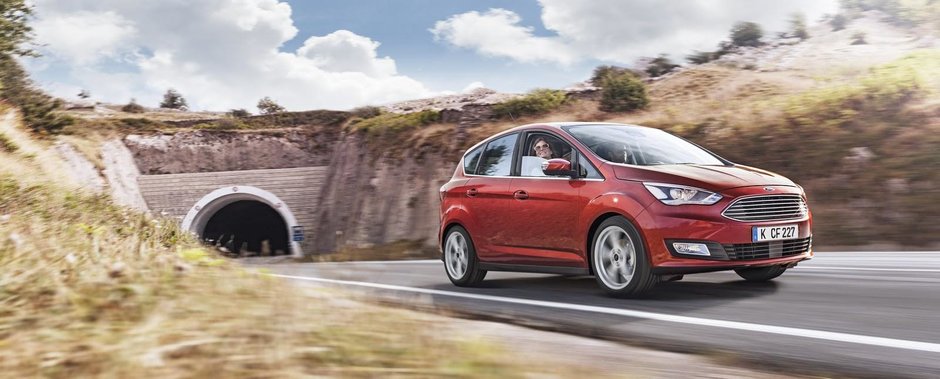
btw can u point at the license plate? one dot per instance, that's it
(774, 233)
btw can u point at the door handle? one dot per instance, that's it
(471, 192)
(520, 194)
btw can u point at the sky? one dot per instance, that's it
(314, 54)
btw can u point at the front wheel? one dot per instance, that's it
(760, 274)
(460, 259)
(619, 260)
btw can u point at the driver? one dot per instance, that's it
(543, 149)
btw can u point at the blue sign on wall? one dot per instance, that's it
(297, 233)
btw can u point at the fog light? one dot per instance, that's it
(691, 248)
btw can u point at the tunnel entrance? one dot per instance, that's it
(248, 228)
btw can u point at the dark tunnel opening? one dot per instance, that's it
(243, 227)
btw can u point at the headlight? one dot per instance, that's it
(672, 194)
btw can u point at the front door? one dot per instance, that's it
(544, 210)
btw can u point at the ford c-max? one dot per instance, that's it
(630, 205)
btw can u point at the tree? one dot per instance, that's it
(15, 32)
(746, 33)
(623, 92)
(699, 57)
(133, 107)
(798, 26)
(239, 112)
(173, 100)
(601, 73)
(37, 109)
(660, 66)
(268, 106)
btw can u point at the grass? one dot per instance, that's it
(814, 136)
(394, 122)
(7, 145)
(89, 289)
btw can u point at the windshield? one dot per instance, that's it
(638, 145)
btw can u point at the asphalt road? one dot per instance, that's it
(867, 314)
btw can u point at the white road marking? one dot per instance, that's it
(420, 261)
(772, 329)
(867, 269)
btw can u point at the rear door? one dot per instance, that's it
(488, 198)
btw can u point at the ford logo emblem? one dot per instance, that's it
(769, 189)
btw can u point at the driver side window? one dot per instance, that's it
(540, 147)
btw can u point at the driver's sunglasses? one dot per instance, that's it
(541, 147)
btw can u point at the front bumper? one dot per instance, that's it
(729, 241)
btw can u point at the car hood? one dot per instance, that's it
(716, 178)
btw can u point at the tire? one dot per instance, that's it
(618, 259)
(760, 274)
(460, 259)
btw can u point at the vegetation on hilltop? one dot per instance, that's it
(536, 102)
(847, 143)
(905, 13)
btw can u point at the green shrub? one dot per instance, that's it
(536, 102)
(395, 122)
(223, 124)
(746, 34)
(603, 72)
(623, 93)
(133, 107)
(7, 145)
(367, 111)
(238, 112)
(700, 57)
(173, 100)
(139, 123)
(268, 106)
(660, 66)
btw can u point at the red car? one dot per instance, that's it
(631, 205)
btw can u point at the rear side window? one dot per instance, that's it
(470, 161)
(497, 158)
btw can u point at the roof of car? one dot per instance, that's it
(559, 124)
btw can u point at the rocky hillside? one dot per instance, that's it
(856, 124)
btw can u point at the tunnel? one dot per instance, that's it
(248, 228)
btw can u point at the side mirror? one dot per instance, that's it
(558, 167)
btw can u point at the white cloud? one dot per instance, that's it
(617, 31)
(345, 51)
(219, 54)
(498, 33)
(84, 37)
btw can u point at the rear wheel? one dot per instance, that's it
(460, 259)
(760, 274)
(619, 260)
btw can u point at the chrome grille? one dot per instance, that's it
(763, 250)
(766, 208)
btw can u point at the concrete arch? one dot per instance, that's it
(200, 213)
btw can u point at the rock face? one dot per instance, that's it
(367, 198)
(229, 151)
